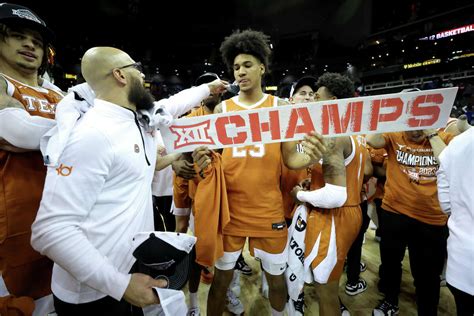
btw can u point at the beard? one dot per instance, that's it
(139, 96)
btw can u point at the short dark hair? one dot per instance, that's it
(338, 85)
(250, 42)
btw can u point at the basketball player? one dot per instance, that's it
(27, 110)
(334, 201)
(252, 175)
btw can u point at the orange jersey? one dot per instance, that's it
(252, 175)
(336, 230)
(22, 178)
(289, 179)
(410, 188)
(378, 156)
(354, 172)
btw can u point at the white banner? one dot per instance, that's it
(364, 115)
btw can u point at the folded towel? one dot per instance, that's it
(78, 101)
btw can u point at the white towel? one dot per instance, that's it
(294, 273)
(172, 303)
(78, 101)
(156, 117)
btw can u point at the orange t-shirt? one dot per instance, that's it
(252, 175)
(410, 188)
(22, 178)
(355, 164)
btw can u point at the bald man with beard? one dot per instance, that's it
(100, 195)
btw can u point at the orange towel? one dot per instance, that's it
(181, 196)
(211, 213)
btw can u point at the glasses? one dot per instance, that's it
(138, 66)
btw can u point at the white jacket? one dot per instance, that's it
(94, 203)
(455, 193)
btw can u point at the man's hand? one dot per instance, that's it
(217, 86)
(313, 146)
(305, 184)
(429, 131)
(202, 157)
(294, 192)
(140, 292)
(183, 169)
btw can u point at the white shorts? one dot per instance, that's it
(273, 262)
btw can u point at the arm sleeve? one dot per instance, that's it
(23, 130)
(330, 196)
(443, 185)
(185, 100)
(68, 197)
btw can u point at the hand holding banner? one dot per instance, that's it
(341, 117)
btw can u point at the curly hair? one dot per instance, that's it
(250, 42)
(338, 85)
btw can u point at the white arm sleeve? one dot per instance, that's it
(185, 100)
(23, 130)
(67, 201)
(443, 185)
(330, 196)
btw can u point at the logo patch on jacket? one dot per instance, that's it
(136, 148)
(64, 170)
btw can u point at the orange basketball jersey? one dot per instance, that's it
(252, 175)
(22, 178)
(336, 230)
(354, 172)
(289, 179)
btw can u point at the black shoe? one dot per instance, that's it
(356, 288)
(344, 310)
(385, 309)
(363, 266)
(242, 266)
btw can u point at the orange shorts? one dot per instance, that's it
(272, 252)
(329, 236)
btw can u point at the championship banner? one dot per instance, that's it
(365, 115)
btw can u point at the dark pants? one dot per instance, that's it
(464, 301)
(379, 210)
(164, 220)
(427, 248)
(103, 307)
(355, 252)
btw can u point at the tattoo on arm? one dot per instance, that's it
(7, 101)
(334, 170)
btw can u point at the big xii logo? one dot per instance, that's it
(365, 115)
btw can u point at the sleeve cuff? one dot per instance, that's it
(302, 196)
